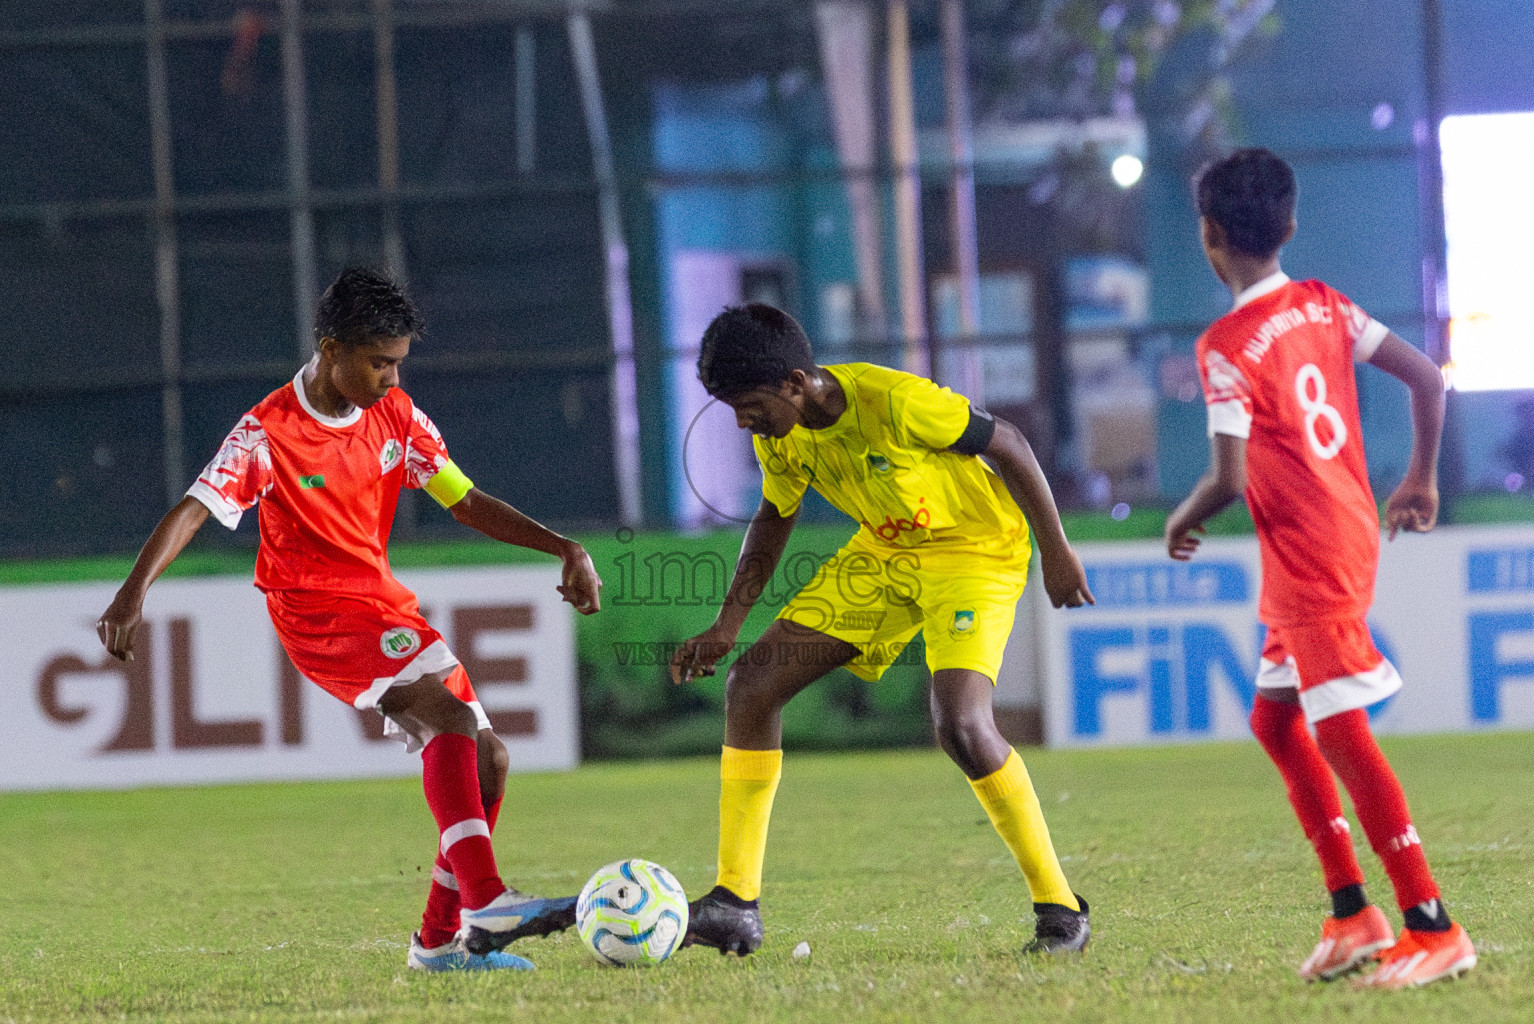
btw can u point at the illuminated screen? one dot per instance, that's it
(1488, 202)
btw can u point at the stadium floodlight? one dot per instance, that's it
(1126, 170)
(1488, 217)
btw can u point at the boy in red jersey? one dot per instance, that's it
(1283, 424)
(326, 456)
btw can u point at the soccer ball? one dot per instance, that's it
(632, 912)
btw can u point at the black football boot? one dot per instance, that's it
(1059, 929)
(724, 921)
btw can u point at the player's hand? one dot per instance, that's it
(117, 626)
(698, 656)
(1180, 540)
(581, 585)
(1065, 581)
(1413, 507)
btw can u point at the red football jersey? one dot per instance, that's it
(328, 487)
(1278, 371)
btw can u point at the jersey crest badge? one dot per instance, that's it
(391, 455)
(399, 642)
(963, 623)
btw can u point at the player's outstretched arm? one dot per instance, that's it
(766, 538)
(120, 621)
(1223, 483)
(1414, 505)
(491, 516)
(1064, 579)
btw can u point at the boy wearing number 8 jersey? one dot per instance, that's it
(1277, 374)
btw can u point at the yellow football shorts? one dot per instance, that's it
(963, 604)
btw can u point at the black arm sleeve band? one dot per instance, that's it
(977, 436)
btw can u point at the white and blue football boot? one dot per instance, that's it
(514, 915)
(451, 956)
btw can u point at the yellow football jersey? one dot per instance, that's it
(885, 463)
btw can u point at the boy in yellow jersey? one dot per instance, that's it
(943, 551)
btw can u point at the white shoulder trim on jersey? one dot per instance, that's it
(1349, 693)
(1271, 283)
(303, 400)
(1369, 341)
(1230, 418)
(225, 511)
(246, 444)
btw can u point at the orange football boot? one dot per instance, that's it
(1420, 958)
(1347, 944)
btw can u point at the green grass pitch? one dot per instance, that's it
(294, 902)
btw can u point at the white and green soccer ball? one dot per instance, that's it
(632, 912)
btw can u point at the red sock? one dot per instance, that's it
(440, 922)
(450, 777)
(1350, 749)
(1280, 728)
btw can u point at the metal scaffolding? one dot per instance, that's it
(296, 28)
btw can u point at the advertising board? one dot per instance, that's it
(1170, 650)
(211, 697)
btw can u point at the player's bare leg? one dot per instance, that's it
(965, 724)
(494, 763)
(427, 709)
(786, 659)
(966, 729)
(492, 914)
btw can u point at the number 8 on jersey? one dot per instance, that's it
(1308, 380)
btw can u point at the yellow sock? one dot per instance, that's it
(748, 780)
(1008, 798)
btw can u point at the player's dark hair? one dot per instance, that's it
(750, 346)
(363, 304)
(1251, 195)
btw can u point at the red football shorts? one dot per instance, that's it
(1334, 665)
(355, 648)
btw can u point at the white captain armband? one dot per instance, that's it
(977, 435)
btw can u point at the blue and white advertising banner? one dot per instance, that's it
(211, 697)
(1169, 653)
